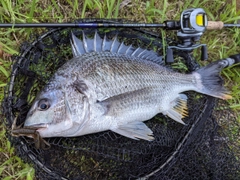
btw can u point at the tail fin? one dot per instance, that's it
(210, 82)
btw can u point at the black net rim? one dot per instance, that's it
(29, 154)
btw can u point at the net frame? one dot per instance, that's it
(172, 145)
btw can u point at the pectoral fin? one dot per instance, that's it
(135, 130)
(118, 104)
(178, 109)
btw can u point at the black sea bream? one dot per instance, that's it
(111, 86)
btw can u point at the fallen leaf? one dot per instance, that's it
(1, 52)
(124, 3)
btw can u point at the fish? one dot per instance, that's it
(108, 85)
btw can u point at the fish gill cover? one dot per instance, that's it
(200, 150)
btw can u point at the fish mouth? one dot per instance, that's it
(37, 126)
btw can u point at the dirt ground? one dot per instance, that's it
(238, 5)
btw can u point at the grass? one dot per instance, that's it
(221, 44)
(12, 167)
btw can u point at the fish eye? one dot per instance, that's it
(43, 104)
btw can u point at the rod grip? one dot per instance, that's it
(215, 25)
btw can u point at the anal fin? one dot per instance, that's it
(178, 109)
(135, 130)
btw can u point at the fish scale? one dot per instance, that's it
(120, 70)
(110, 86)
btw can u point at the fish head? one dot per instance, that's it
(42, 112)
(52, 113)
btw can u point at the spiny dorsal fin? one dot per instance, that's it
(122, 48)
(97, 44)
(106, 44)
(77, 46)
(88, 43)
(129, 50)
(115, 45)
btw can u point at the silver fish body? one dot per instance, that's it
(116, 88)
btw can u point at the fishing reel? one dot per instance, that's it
(192, 24)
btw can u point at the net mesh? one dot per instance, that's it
(201, 150)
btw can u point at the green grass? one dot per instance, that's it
(11, 166)
(221, 44)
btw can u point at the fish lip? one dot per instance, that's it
(37, 126)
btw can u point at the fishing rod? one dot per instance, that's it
(81, 25)
(191, 26)
(167, 25)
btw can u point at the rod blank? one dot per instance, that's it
(231, 25)
(79, 25)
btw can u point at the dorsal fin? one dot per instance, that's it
(115, 45)
(122, 48)
(77, 46)
(106, 44)
(88, 43)
(97, 44)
